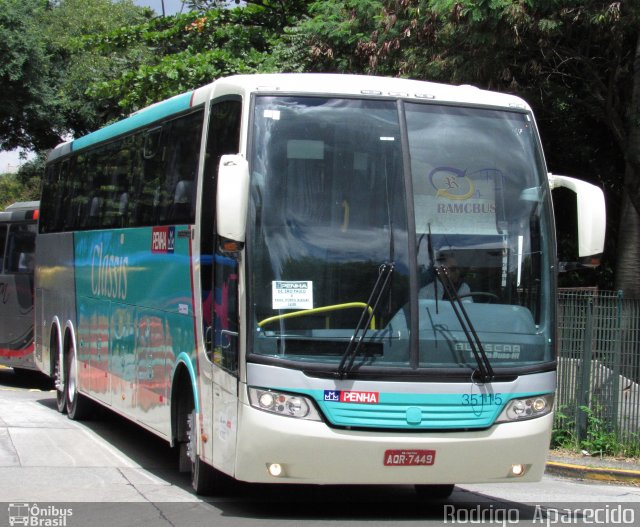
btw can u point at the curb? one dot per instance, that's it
(617, 475)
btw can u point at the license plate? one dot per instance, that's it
(409, 458)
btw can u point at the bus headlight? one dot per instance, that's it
(526, 408)
(285, 404)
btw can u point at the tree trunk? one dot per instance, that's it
(628, 264)
(632, 174)
(628, 261)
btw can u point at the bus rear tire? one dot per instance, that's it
(78, 406)
(61, 387)
(434, 492)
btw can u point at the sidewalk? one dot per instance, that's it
(594, 468)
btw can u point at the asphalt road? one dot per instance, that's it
(54, 471)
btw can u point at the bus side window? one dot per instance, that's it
(49, 211)
(52, 214)
(183, 154)
(152, 142)
(21, 249)
(83, 206)
(148, 195)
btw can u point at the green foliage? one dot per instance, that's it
(12, 189)
(338, 36)
(23, 186)
(286, 12)
(187, 51)
(72, 20)
(30, 174)
(68, 27)
(27, 100)
(601, 439)
(563, 433)
(45, 70)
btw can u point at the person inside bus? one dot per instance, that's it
(435, 288)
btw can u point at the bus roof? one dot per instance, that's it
(295, 83)
(357, 85)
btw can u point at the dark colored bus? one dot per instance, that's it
(18, 228)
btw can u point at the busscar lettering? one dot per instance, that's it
(495, 351)
(108, 274)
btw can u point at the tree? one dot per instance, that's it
(13, 188)
(573, 61)
(75, 65)
(68, 26)
(288, 11)
(190, 50)
(629, 237)
(45, 70)
(28, 104)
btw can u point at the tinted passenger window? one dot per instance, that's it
(21, 246)
(146, 178)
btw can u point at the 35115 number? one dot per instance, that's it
(480, 399)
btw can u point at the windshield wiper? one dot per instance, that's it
(484, 370)
(355, 343)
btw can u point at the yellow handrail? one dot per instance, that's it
(323, 309)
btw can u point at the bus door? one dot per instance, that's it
(219, 276)
(225, 360)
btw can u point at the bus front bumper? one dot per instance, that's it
(310, 452)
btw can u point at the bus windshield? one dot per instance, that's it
(362, 211)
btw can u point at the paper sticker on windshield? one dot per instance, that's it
(292, 294)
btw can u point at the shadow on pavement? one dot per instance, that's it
(24, 379)
(278, 501)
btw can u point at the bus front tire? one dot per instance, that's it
(205, 480)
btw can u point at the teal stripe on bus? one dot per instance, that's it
(413, 411)
(144, 117)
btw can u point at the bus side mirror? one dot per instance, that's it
(592, 217)
(232, 199)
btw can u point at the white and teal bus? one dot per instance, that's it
(324, 279)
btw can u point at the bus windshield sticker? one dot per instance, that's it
(292, 294)
(272, 114)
